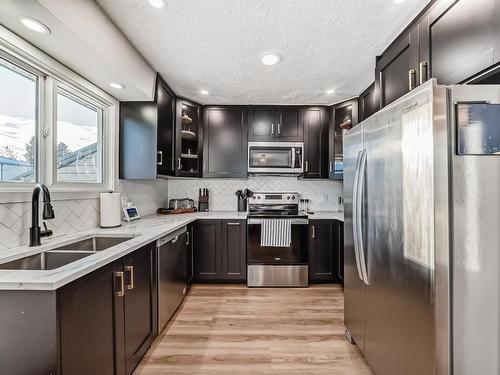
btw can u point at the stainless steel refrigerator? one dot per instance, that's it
(422, 233)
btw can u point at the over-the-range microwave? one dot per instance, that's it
(276, 157)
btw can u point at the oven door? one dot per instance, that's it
(275, 157)
(295, 254)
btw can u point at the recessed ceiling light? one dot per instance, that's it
(35, 25)
(118, 86)
(271, 58)
(331, 91)
(399, 1)
(203, 92)
(157, 3)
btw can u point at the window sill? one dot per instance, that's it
(56, 194)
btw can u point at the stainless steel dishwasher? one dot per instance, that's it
(172, 274)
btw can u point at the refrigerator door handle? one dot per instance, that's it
(355, 216)
(359, 214)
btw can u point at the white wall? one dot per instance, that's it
(322, 193)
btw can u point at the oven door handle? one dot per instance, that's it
(294, 221)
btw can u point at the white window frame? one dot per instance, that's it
(54, 87)
(39, 170)
(54, 76)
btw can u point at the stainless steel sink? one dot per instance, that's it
(48, 260)
(94, 244)
(62, 255)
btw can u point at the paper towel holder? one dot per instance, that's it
(110, 210)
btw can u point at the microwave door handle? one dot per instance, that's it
(293, 158)
(359, 213)
(355, 216)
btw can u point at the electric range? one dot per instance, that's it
(269, 266)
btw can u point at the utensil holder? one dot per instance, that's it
(242, 205)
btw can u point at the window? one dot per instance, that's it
(18, 123)
(79, 139)
(56, 128)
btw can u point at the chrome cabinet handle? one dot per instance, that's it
(233, 223)
(272, 129)
(175, 239)
(412, 73)
(160, 154)
(307, 166)
(279, 129)
(130, 270)
(179, 165)
(187, 239)
(313, 231)
(424, 71)
(331, 166)
(121, 292)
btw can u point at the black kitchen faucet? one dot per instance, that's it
(48, 213)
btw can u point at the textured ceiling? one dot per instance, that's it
(216, 45)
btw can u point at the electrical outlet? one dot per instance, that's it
(324, 197)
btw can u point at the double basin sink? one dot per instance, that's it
(63, 255)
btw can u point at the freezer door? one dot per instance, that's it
(353, 285)
(476, 229)
(397, 229)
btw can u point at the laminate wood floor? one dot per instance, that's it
(231, 329)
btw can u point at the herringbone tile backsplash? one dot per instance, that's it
(76, 215)
(323, 194)
(71, 216)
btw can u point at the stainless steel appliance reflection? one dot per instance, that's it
(275, 157)
(422, 212)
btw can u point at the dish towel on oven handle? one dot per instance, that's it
(276, 232)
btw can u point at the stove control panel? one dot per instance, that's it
(274, 198)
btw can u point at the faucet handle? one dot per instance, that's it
(46, 232)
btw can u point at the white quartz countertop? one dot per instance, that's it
(143, 231)
(327, 215)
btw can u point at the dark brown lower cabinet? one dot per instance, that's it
(139, 304)
(220, 250)
(108, 318)
(87, 325)
(324, 251)
(339, 225)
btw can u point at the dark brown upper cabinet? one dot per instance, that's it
(147, 136)
(188, 139)
(367, 103)
(137, 149)
(315, 142)
(225, 141)
(275, 123)
(343, 117)
(395, 70)
(462, 39)
(165, 100)
(452, 41)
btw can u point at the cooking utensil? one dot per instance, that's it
(248, 193)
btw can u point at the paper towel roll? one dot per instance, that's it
(111, 210)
